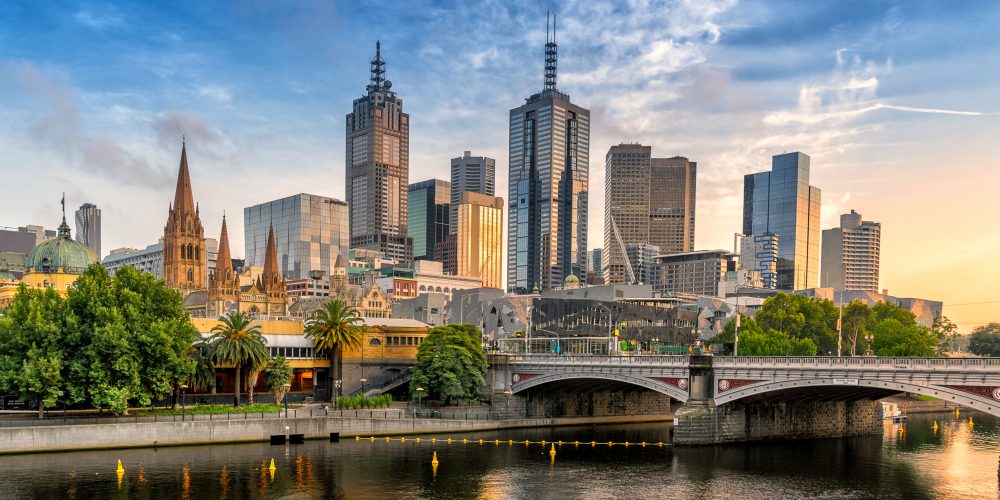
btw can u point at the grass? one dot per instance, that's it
(214, 409)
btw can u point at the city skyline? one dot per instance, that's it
(862, 100)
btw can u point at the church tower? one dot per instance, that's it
(223, 283)
(184, 261)
(270, 281)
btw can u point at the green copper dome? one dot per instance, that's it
(63, 253)
(6, 275)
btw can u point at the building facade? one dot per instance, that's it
(88, 227)
(430, 308)
(694, 273)
(781, 202)
(548, 187)
(759, 258)
(475, 174)
(149, 259)
(378, 168)
(185, 260)
(430, 212)
(642, 258)
(647, 201)
(310, 230)
(851, 254)
(479, 238)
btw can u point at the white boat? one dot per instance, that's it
(890, 411)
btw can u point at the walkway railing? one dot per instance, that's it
(761, 361)
(549, 359)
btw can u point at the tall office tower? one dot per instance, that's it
(647, 201)
(781, 202)
(479, 238)
(851, 254)
(378, 168)
(185, 263)
(549, 155)
(595, 259)
(470, 173)
(430, 210)
(310, 232)
(88, 227)
(642, 258)
(759, 258)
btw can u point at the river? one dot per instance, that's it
(958, 460)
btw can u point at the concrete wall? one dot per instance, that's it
(776, 421)
(597, 404)
(145, 434)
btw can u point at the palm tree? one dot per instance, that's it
(333, 327)
(203, 376)
(237, 342)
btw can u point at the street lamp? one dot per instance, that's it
(183, 406)
(868, 350)
(420, 391)
(363, 381)
(287, 388)
(558, 339)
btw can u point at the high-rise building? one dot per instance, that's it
(185, 263)
(759, 258)
(548, 186)
(695, 273)
(378, 168)
(88, 227)
(781, 202)
(851, 254)
(479, 239)
(594, 260)
(642, 258)
(429, 205)
(470, 173)
(310, 232)
(646, 201)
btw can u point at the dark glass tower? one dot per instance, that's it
(430, 212)
(548, 185)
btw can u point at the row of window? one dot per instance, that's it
(393, 341)
(293, 352)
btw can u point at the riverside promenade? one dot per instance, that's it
(145, 433)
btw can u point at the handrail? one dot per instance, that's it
(767, 361)
(403, 375)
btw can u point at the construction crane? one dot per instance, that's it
(621, 246)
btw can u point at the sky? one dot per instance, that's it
(897, 103)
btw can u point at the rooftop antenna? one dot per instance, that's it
(551, 53)
(377, 69)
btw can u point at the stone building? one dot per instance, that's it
(184, 256)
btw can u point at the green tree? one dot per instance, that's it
(855, 324)
(727, 336)
(130, 339)
(33, 359)
(238, 342)
(985, 340)
(331, 328)
(450, 363)
(893, 338)
(801, 317)
(774, 343)
(887, 310)
(276, 375)
(947, 333)
(203, 375)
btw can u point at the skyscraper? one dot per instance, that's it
(430, 211)
(473, 174)
(781, 202)
(647, 201)
(479, 239)
(548, 186)
(378, 168)
(851, 254)
(310, 232)
(185, 263)
(88, 227)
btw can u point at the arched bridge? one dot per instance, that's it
(970, 382)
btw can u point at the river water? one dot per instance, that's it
(958, 460)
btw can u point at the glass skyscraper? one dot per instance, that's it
(310, 231)
(548, 187)
(430, 210)
(469, 173)
(781, 202)
(88, 227)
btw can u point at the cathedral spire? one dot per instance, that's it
(224, 261)
(183, 198)
(271, 273)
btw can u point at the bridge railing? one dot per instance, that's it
(859, 362)
(548, 359)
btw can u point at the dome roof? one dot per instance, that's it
(571, 280)
(61, 253)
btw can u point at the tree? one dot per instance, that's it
(893, 338)
(333, 327)
(801, 317)
(775, 343)
(985, 340)
(946, 332)
(727, 336)
(130, 338)
(276, 375)
(203, 375)
(887, 310)
(450, 363)
(252, 369)
(34, 359)
(238, 342)
(855, 324)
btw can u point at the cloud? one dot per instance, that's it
(202, 138)
(108, 17)
(61, 131)
(215, 92)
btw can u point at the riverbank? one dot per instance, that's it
(60, 438)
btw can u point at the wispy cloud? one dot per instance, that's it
(105, 17)
(215, 92)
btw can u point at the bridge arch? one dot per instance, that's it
(646, 383)
(966, 399)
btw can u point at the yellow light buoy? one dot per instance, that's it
(449, 440)
(626, 444)
(465, 441)
(402, 440)
(593, 444)
(643, 444)
(552, 453)
(480, 440)
(434, 440)
(387, 439)
(357, 438)
(434, 460)
(497, 442)
(418, 440)
(120, 469)
(272, 467)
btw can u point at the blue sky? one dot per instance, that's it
(896, 102)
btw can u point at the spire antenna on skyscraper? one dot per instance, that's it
(377, 69)
(551, 53)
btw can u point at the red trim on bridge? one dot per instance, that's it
(680, 383)
(730, 384)
(521, 377)
(986, 391)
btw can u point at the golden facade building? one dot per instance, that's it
(479, 238)
(184, 255)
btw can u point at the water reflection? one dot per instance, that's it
(957, 460)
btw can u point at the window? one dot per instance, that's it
(374, 342)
